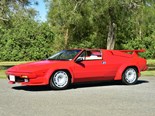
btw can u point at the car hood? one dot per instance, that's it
(33, 66)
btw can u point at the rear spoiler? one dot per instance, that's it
(133, 51)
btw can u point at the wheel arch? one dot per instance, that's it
(132, 66)
(121, 70)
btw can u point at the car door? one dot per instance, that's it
(91, 67)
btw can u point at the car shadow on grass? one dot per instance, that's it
(76, 86)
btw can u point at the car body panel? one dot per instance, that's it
(106, 65)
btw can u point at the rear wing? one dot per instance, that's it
(132, 51)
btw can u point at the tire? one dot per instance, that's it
(130, 76)
(60, 80)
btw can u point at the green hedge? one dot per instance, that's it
(27, 41)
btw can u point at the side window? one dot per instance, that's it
(91, 55)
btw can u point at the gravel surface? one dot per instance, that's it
(93, 99)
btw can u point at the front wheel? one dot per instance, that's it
(130, 76)
(60, 80)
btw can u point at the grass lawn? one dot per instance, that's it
(2, 74)
(12, 63)
(151, 62)
(148, 73)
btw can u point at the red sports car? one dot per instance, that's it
(80, 65)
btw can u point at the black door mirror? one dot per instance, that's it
(79, 59)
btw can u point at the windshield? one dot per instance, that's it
(64, 55)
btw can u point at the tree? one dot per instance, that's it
(144, 30)
(22, 37)
(93, 23)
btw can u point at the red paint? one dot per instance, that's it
(108, 65)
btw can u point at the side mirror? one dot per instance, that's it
(79, 59)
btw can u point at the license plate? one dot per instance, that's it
(26, 80)
(12, 78)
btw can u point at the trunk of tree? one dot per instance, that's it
(111, 36)
(111, 33)
(66, 38)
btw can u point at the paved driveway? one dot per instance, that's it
(99, 99)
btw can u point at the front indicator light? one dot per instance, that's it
(24, 76)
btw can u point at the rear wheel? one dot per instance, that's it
(130, 76)
(60, 80)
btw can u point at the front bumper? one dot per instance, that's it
(38, 80)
